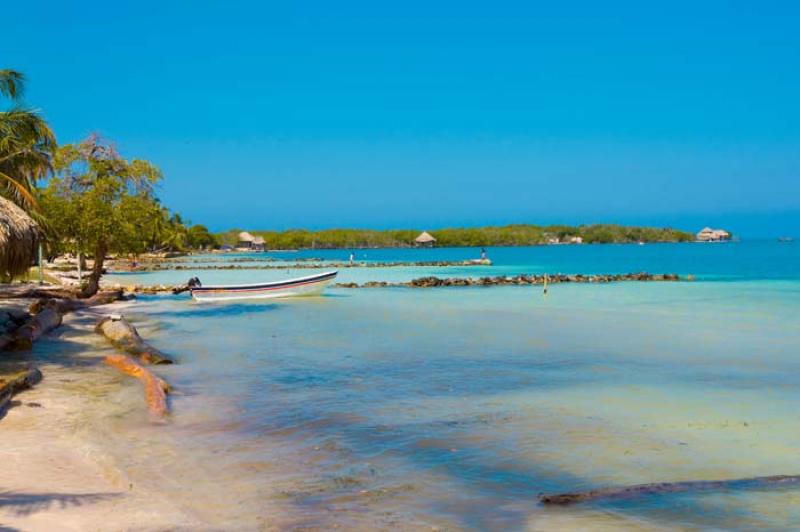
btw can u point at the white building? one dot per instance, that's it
(713, 235)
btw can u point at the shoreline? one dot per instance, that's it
(57, 474)
(81, 451)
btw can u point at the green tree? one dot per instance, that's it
(199, 237)
(99, 202)
(27, 144)
(176, 236)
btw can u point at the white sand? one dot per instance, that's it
(53, 476)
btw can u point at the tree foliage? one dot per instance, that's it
(199, 237)
(509, 235)
(26, 144)
(99, 202)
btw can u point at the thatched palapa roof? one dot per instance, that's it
(424, 238)
(19, 236)
(259, 241)
(244, 236)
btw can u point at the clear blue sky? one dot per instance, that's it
(426, 114)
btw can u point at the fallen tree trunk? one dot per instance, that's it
(32, 293)
(73, 304)
(13, 384)
(124, 336)
(564, 499)
(23, 338)
(155, 388)
(47, 315)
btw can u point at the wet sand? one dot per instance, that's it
(79, 452)
(54, 476)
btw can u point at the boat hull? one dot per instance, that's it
(312, 285)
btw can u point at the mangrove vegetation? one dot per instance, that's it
(508, 235)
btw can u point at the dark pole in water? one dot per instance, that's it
(564, 499)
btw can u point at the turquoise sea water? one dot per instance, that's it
(455, 407)
(749, 260)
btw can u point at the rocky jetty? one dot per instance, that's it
(168, 266)
(435, 282)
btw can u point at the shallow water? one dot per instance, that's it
(749, 260)
(455, 408)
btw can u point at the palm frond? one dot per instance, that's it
(27, 145)
(12, 84)
(18, 191)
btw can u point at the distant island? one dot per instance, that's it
(508, 235)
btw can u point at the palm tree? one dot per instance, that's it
(27, 144)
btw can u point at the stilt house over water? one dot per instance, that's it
(425, 240)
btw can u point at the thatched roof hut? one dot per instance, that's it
(259, 243)
(425, 239)
(245, 240)
(19, 236)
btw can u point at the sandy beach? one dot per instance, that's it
(80, 451)
(55, 476)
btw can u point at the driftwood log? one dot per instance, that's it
(33, 293)
(13, 384)
(47, 315)
(23, 338)
(639, 490)
(72, 304)
(155, 388)
(125, 337)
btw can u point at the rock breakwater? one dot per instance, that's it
(151, 267)
(505, 280)
(437, 282)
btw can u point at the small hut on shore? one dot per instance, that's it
(259, 243)
(19, 237)
(245, 240)
(425, 240)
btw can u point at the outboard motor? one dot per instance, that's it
(194, 282)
